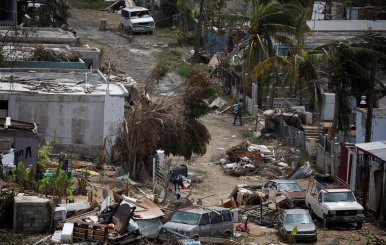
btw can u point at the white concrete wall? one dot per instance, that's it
(114, 114)
(80, 122)
(378, 128)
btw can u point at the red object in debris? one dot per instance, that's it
(242, 228)
(111, 227)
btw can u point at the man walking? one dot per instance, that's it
(237, 109)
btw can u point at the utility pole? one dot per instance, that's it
(369, 119)
(370, 102)
(197, 42)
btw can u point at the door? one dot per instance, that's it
(317, 205)
(204, 225)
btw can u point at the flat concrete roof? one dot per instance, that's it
(377, 112)
(347, 25)
(37, 35)
(21, 198)
(325, 31)
(42, 81)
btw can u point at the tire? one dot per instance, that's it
(120, 26)
(359, 225)
(130, 30)
(316, 238)
(196, 237)
(151, 33)
(227, 234)
(313, 215)
(325, 222)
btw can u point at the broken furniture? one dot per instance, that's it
(86, 231)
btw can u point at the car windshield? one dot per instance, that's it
(289, 187)
(339, 197)
(140, 14)
(186, 218)
(297, 219)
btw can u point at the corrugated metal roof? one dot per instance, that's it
(377, 149)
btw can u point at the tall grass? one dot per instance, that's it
(91, 4)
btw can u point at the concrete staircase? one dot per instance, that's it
(310, 131)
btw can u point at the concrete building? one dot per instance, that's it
(76, 107)
(378, 128)
(8, 12)
(37, 35)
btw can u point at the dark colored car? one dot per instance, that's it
(297, 194)
(299, 218)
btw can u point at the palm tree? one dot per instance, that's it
(350, 61)
(268, 21)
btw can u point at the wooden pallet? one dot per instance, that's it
(86, 231)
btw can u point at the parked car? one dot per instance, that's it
(297, 193)
(137, 19)
(334, 204)
(213, 221)
(289, 218)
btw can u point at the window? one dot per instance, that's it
(204, 219)
(226, 215)
(185, 218)
(297, 219)
(268, 185)
(339, 197)
(3, 104)
(290, 187)
(215, 217)
(320, 198)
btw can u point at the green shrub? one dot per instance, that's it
(92, 4)
(57, 185)
(184, 38)
(43, 155)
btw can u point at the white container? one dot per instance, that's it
(60, 213)
(236, 213)
(68, 229)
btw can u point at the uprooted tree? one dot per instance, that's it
(170, 123)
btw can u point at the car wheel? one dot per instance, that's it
(151, 33)
(359, 225)
(316, 238)
(195, 237)
(121, 26)
(130, 30)
(313, 215)
(227, 234)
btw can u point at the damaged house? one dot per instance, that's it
(78, 108)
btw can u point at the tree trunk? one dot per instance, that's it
(198, 34)
(370, 103)
(152, 7)
(185, 28)
(335, 120)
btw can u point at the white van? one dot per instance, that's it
(137, 19)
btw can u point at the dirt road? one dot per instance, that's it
(135, 57)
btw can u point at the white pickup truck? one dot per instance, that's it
(334, 204)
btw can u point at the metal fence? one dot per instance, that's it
(293, 136)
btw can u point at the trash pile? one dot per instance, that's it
(264, 161)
